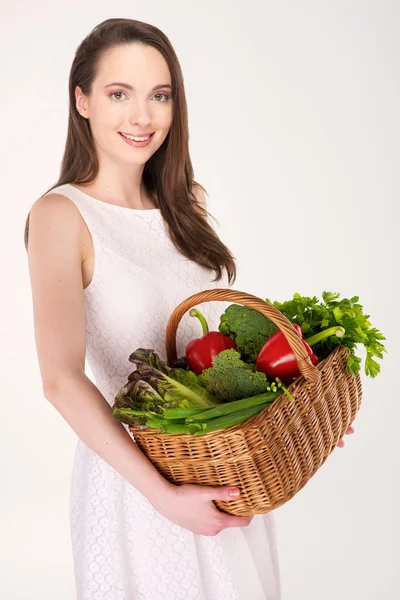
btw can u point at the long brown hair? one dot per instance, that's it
(168, 174)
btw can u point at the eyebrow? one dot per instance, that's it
(129, 87)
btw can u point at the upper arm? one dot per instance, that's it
(55, 269)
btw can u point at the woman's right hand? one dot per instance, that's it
(191, 506)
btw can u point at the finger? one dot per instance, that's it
(350, 430)
(341, 444)
(222, 493)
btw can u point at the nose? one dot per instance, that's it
(140, 113)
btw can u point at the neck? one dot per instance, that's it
(120, 185)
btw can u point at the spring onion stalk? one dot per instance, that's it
(227, 420)
(141, 413)
(180, 413)
(159, 423)
(172, 427)
(231, 407)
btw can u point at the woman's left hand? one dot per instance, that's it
(350, 430)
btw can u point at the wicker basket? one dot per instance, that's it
(272, 455)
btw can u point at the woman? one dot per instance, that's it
(114, 246)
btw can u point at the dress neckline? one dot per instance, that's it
(126, 208)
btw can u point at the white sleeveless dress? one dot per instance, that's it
(123, 548)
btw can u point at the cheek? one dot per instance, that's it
(105, 117)
(163, 118)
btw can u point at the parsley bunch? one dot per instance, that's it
(313, 316)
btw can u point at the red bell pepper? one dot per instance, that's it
(277, 359)
(201, 352)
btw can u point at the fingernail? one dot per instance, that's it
(234, 493)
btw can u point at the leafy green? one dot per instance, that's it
(137, 396)
(248, 328)
(230, 378)
(313, 316)
(154, 387)
(173, 384)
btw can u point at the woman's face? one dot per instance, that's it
(138, 109)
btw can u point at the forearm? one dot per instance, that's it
(86, 410)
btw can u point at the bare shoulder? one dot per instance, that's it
(58, 213)
(53, 205)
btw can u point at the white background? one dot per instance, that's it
(294, 132)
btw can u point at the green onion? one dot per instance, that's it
(180, 413)
(231, 407)
(227, 420)
(140, 413)
(159, 423)
(174, 428)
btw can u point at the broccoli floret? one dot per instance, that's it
(248, 328)
(230, 378)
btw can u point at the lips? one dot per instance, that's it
(137, 134)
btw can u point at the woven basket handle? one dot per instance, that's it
(307, 369)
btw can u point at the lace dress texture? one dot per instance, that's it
(123, 549)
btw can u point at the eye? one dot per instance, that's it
(167, 96)
(113, 94)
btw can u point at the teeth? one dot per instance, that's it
(135, 139)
